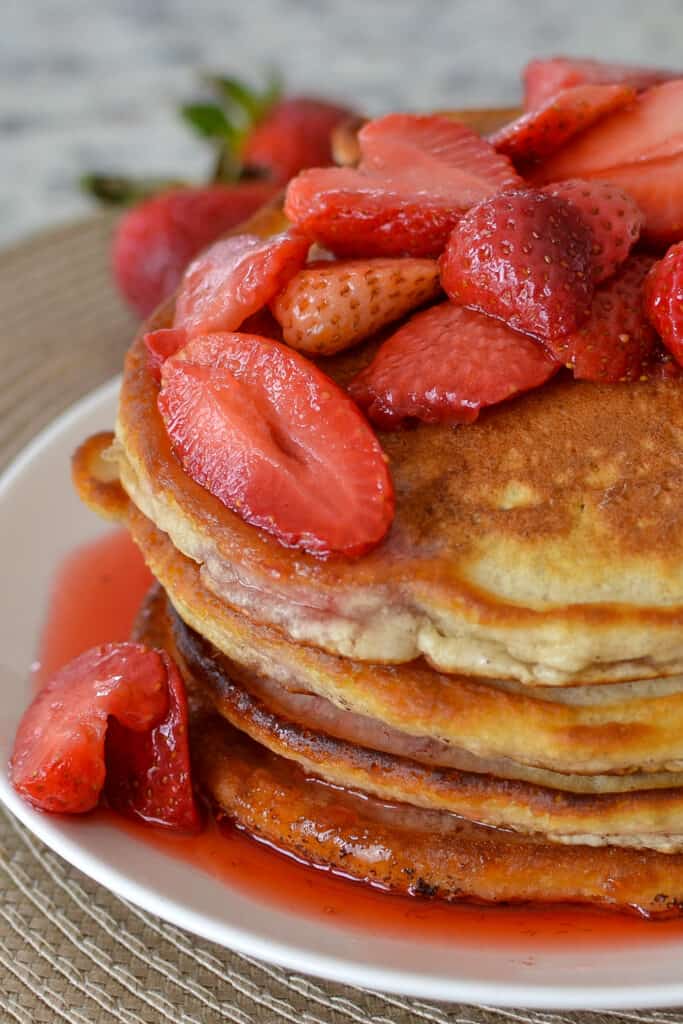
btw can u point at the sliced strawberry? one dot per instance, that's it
(328, 308)
(416, 176)
(235, 278)
(524, 257)
(545, 78)
(616, 343)
(614, 217)
(650, 128)
(58, 759)
(160, 345)
(664, 300)
(295, 133)
(657, 188)
(148, 773)
(156, 239)
(545, 129)
(274, 439)
(446, 364)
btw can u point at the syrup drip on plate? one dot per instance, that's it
(95, 597)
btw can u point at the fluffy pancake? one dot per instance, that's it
(542, 543)
(582, 734)
(335, 746)
(407, 849)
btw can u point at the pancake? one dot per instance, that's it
(402, 848)
(543, 543)
(584, 738)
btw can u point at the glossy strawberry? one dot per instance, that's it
(639, 149)
(160, 345)
(235, 278)
(416, 177)
(58, 759)
(275, 440)
(446, 364)
(155, 240)
(544, 78)
(614, 218)
(148, 773)
(524, 257)
(548, 127)
(330, 307)
(664, 300)
(293, 134)
(616, 343)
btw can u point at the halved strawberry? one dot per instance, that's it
(235, 278)
(547, 128)
(616, 343)
(160, 345)
(664, 300)
(58, 760)
(446, 364)
(651, 128)
(148, 773)
(416, 177)
(544, 78)
(156, 239)
(524, 257)
(274, 439)
(640, 150)
(613, 215)
(328, 308)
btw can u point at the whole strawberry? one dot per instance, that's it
(295, 133)
(254, 134)
(155, 240)
(664, 300)
(524, 257)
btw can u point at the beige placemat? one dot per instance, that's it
(69, 950)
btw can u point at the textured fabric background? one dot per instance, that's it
(93, 83)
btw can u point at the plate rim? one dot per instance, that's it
(394, 980)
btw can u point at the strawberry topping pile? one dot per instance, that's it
(476, 267)
(113, 720)
(416, 177)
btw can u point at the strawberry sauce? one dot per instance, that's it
(95, 596)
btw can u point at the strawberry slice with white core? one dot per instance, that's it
(58, 762)
(544, 78)
(236, 277)
(278, 442)
(446, 364)
(328, 308)
(416, 177)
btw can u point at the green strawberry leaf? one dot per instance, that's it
(210, 121)
(119, 190)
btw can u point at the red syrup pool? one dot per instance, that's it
(94, 598)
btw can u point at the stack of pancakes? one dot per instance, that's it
(487, 706)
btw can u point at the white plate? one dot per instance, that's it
(40, 521)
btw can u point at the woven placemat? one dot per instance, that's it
(69, 949)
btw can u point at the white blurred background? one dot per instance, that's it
(93, 84)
